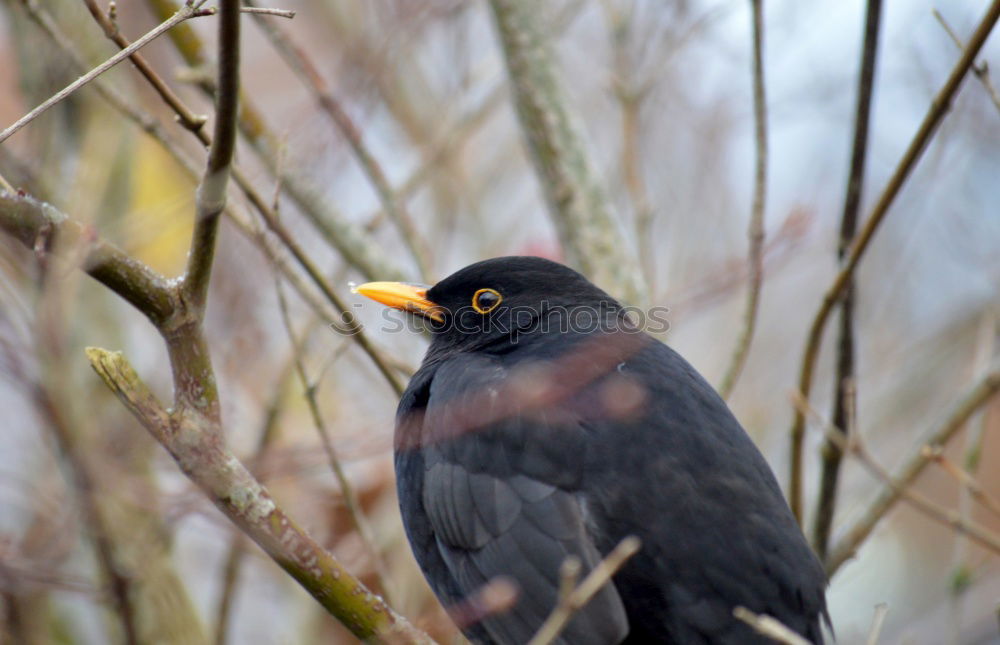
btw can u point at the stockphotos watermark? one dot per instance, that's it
(605, 317)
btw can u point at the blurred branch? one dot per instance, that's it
(117, 577)
(630, 93)
(938, 109)
(577, 205)
(206, 223)
(965, 479)
(981, 70)
(881, 610)
(351, 241)
(192, 431)
(304, 68)
(347, 491)
(153, 128)
(769, 626)
(573, 598)
(184, 13)
(237, 544)
(826, 503)
(979, 394)
(756, 228)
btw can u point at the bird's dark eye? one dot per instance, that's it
(486, 300)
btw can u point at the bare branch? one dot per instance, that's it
(296, 58)
(756, 228)
(936, 455)
(184, 13)
(266, 11)
(206, 461)
(981, 70)
(881, 611)
(352, 242)
(590, 235)
(897, 486)
(572, 602)
(211, 196)
(935, 114)
(347, 492)
(769, 626)
(843, 395)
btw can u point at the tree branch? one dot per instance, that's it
(589, 234)
(935, 114)
(211, 196)
(755, 230)
(296, 58)
(202, 456)
(184, 13)
(975, 398)
(827, 501)
(573, 598)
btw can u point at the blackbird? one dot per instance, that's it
(543, 423)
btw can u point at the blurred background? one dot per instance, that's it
(662, 95)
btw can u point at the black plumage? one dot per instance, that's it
(541, 424)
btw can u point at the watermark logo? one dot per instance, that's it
(515, 321)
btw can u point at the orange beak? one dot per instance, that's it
(399, 295)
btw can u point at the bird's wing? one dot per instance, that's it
(490, 505)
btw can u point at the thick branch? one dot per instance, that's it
(577, 205)
(205, 460)
(937, 111)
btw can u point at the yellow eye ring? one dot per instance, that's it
(486, 300)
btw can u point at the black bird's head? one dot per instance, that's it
(494, 304)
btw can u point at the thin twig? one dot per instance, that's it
(769, 626)
(300, 63)
(897, 487)
(981, 70)
(184, 13)
(185, 116)
(975, 490)
(159, 134)
(826, 503)
(938, 109)
(266, 11)
(755, 230)
(350, 497)
(581, 595)
(260, 204)
(631, 93)
(238, 542)
(881, 610)
(356, 247)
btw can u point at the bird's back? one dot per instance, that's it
(624, 431)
